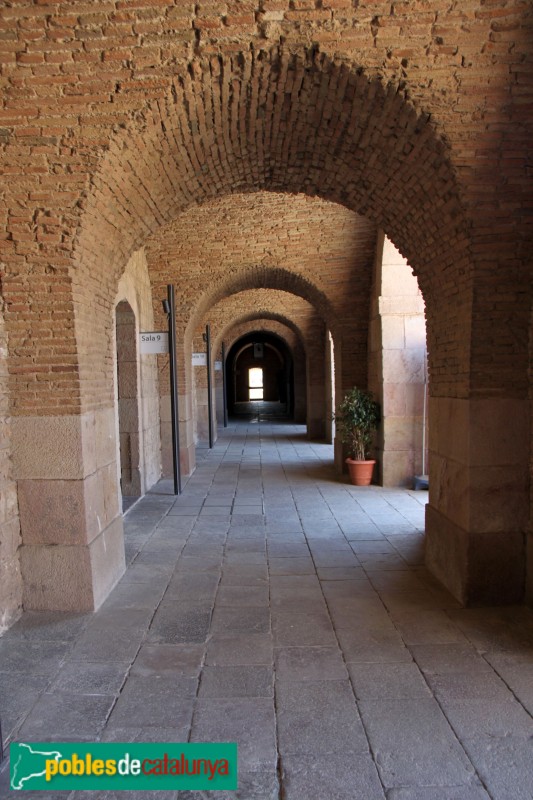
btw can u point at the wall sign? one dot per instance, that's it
(153, 342)
(199, 359)
(218, 366)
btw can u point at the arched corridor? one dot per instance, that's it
(348, 184)
(273, 605)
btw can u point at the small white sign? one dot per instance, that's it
(218, 366)
(153, 342)
(199, 359)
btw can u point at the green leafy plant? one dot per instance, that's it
(356, 419)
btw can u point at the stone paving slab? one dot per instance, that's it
(67, 717)
(17, 697)
(239, 649)
(387, 681)
(180, 624)
(504, 765)
(310, 664)
(228, 619)
(311, 715)
(47, 626)
(178, 660)
(130, 595)
(442, 659)
(471, 791)
(254, 784)
(145, 702)
(317, 777)
(247, 596)
(488, 717)
(300, 629)
(250, 721)
(28, 657)
(236, 681)
(88, 678)
(413, 743)
(380, 644)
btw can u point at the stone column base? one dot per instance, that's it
(73, 577)
(477, 568)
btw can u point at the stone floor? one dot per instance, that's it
(274, 605)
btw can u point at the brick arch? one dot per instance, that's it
(245, 324)
(282, 121)
(253, 307)
(262, 276)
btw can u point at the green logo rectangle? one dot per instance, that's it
(108, 766)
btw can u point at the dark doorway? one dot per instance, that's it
(259, 377)
(128, 409)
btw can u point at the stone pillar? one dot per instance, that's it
(10, 576)
(329, 383)
(218, 384)
(397, 365)
(300, 385)
(351, 369)
(478, 490)
(73, 547)
(316, 379)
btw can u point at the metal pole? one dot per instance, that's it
(225, 399)
(174, 390)
(209, 397)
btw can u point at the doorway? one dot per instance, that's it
(128, 407)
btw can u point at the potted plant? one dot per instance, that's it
(356, 419)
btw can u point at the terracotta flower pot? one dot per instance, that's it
(360, 471)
